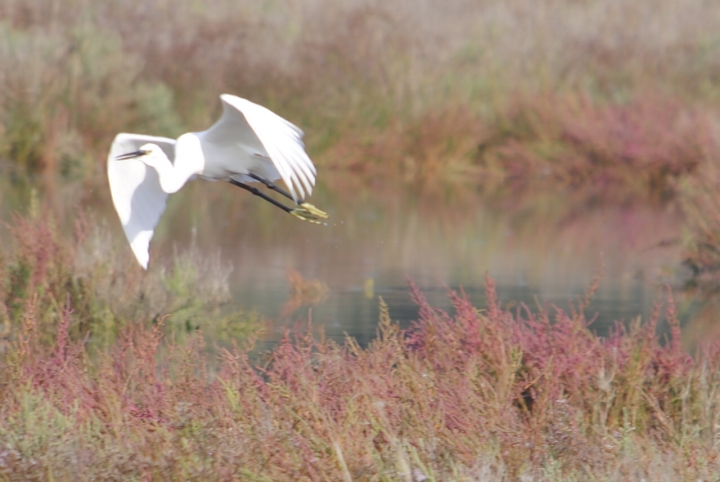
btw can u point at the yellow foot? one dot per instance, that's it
(314, 211)
(307, 215)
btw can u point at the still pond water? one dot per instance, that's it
(543, 250)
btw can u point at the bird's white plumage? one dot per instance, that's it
(247, 139)
(136, 193)
(246, 128)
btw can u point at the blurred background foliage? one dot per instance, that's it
(406, 85)
(617, 101)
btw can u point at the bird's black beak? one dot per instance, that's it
(131, 155)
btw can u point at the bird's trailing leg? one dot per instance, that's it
(302, 212)
(307, 206)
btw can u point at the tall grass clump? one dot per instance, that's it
(46, 271)
(480, 394)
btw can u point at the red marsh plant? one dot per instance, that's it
(487, 394)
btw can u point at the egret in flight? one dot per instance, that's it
(248, 144)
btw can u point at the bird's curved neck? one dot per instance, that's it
(171, 177)
(189, 161)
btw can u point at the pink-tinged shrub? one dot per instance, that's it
(471, 395)
(642, 147)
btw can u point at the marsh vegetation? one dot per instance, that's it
(581, 128)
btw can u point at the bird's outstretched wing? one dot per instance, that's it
(136, 192)
(266, 133)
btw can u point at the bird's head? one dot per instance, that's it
(144, 152)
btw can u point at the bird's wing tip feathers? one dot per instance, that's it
(283, 141)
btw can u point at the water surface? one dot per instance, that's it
(541, 249)
(545, 251)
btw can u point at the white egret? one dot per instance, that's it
(249, 143)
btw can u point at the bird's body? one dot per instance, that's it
(248, 143)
